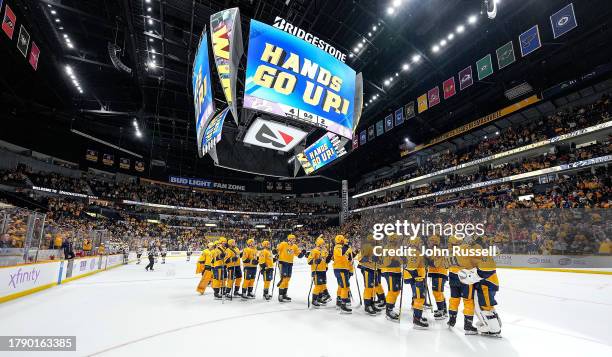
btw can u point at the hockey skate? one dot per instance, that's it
(440, 314)
(491, 324)
(391, 315)
(452, 319)
(266, 295)
(468, 327)
(315, 301)
(369, 309)
(345, 309)
(420, 323)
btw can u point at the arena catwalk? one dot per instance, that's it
(129, 312)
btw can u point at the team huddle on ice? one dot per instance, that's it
(472, 280)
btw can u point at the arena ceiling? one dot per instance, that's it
(77, 33)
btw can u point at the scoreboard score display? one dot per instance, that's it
(321, 153)
(294, 79)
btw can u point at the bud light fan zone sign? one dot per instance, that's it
(213, 131)
(322, 152)
(292, 78)
(202, 92)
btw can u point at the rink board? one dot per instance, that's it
(554, 261)
(21, 280)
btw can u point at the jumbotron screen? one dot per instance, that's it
(292, 78)
(202, 91)
(321, 153)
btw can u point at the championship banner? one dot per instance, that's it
(294, 79)
(124, 163)
(202, 91)
(213, 132)
(139, 166)
(530, 40)
(448, 87)
(23, 41)
(355, 142)
(363, 138)
(505, 55)
(345, 202)
(410, 110)
(422, 103)
(108, 159)
(484, 67)
(380, 128)
(91, 155)
(433, 96)
(399, 116)
(8, 21)
(388, 122)
(34, 55)
(371, 133)
(563, 21)
(465, 78)
(227, 51)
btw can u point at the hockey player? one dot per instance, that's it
(152, 252)
(367, 265)
(286, 252)
(342, 252)
(218, 268)
(139, 251)
(249, 261)
(414, 275)
(234, 273)
(391, 270)
(460, 291)
(438, 273)
(189, 252)
(164, 252)
(266, 267)
(204, 266)
(484, 279)
(318, 268)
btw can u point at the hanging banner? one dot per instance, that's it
(389, 122)
(355, 142)
(23, 41)
(371, 133)
(124, 163)
(227, 51)
(380, 128)
(363, 138)
(530, 40)
(484, 67)
(399, 116)
(291, 78)
(108, 160)
(422, 101)
(139, 166)
(433, 96)
(448, 87)
(563, 21)
(34, 55)
(345, 202)
(465, 78)
(410, 110)
(202, 91)
(8, 22)
(505, 55)
(91, 155)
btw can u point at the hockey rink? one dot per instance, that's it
(129, 312)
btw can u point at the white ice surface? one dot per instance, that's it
(130, 312)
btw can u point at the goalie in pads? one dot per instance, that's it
(486, 284)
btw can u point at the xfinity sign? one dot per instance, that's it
(273, 135)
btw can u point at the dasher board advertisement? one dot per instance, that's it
(294, 79)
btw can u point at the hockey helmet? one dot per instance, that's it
(250, 242)
(291, 237)
(319, 241)
(265, 244)
(340, 239)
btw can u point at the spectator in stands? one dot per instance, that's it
(68, 248)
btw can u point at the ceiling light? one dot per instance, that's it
(53, 12)
(460, 29)
(350, 55)
(390, 10)
(397, 3)
(450, 36)
(390, 79)
(138, 134)
(153, 50)
(57, 20)
(148, 1)
(374, 28)
(356, 49)
(65, 36)
(363, 40)
(387, 82)
(61, 27)
(366, 104)
(485, 136)
(416, 58)
(69, 45)
(405, 66)
(370, 34)
(360, 45)
(151, 64)
(68, 69)
(150, 22)
(150, 40)
(472, 19)
(435, 48)
(149, 9)
(497, 133)
(442, 43)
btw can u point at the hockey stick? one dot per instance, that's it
(357, 281)
(257, 282)
(311, 284)
(274, 279)
(399, 316)
(428, 300)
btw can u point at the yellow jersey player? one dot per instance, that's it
(205, 267)
(218, 268)
(367, 264)
(318, 268)
(438, 273)
(234, 273)
(266, 267)
(460, 291)
(342, 252)
(249, 261)
(286, 252)
(391, 268)
(484, 279)
(414, 275)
